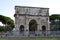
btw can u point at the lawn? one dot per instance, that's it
(30, 38)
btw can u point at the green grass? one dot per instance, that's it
(31, 38)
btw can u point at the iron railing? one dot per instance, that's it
(32, 34)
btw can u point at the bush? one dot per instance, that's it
(5, 28)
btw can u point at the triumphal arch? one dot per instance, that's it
(31, 19)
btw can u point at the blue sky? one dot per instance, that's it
(7, 6)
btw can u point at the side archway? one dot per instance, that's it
(32, 25)
(21, 28)
(43, 28)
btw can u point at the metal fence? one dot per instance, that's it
(32, 34)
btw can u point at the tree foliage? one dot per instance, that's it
(5, 28)
(54, 16)
(9, 23)
(6, 20)
(55, 25)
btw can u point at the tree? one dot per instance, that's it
(7, 21)
(5, 28)
(54, 16)
(55, 22)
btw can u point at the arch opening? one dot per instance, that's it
(21, 28)
(32, 25)
(43, 28)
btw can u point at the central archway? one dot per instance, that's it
(32, 25)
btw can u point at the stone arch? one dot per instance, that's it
(21, 28)
(43, 28)
(32, 25)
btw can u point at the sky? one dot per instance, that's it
(7, 6)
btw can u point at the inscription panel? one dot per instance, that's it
(32, 11)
